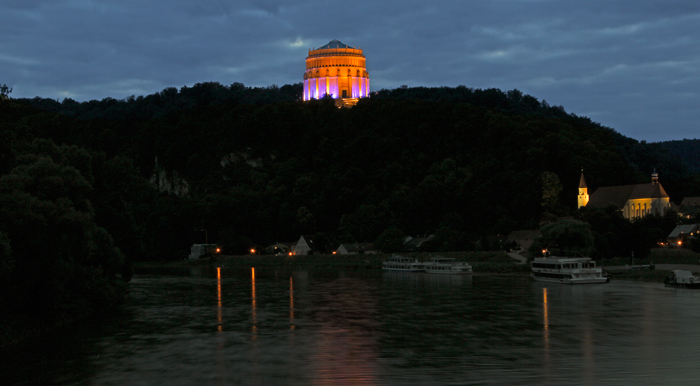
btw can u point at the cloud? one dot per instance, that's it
(631, 66)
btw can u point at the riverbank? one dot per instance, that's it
(19, 328)
(664, 259)
(482, 262)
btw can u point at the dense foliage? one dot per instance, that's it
(567, 238)
(687, 150)
(55, 259)
(253, 166)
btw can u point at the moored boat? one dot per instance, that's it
(447, 266)
(402, 264)
(567, 270)
(682, 279)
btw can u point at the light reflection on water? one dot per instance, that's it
(255, 314)
(369, 328)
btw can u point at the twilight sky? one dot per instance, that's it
(633, 65)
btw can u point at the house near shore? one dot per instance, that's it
(356, 249)
(679, 236)
(279, 248)
(198, 251)
(411, 244)
(305, 246)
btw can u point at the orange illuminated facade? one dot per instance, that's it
(634, 201)
(337, 70)
(582, 191)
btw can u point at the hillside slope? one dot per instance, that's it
(464, 161)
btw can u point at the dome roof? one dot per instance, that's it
(334, 44)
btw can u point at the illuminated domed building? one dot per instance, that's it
(338, 70)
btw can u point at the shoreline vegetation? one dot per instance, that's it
(496, 262)
(482, 262)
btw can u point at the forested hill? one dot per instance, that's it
(688, 150)
(170, 100)
(255, 166)
(86, 188)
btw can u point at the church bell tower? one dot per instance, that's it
(582, 191)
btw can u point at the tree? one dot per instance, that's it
(568, 237)
(391, 240)
(6, 263)
(550, 191)
(4, 92)
(60, 258)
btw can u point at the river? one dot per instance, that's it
(242, 327)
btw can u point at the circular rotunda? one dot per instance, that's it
(338, 70)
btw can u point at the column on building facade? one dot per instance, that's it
(334, 86)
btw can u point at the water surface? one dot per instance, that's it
(372, 328)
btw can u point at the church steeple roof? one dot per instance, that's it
(582, 183)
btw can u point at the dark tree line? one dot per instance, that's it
(255, 166)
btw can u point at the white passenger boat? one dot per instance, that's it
(682, 279)
(402, 264)
(447, 266)
(567, 270)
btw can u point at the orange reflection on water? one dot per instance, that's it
(291, 301)
(219, 316)
(546, 324)
(546, 316)
(255, 322)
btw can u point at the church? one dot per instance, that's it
(633, 200)
(337, 70)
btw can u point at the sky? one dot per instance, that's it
(632, 65)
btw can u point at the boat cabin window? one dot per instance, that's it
(544, 265)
